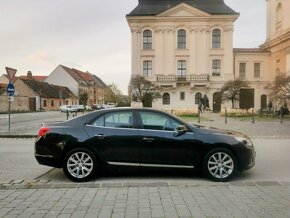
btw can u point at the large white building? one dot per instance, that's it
(186, 48)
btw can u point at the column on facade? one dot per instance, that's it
(288, 61)
(135, 51)
(158, 47)
(168, 62)
(192, 51)
(227, 45)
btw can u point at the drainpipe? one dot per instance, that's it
(234, 66)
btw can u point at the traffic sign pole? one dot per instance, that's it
(10, 90)
(9, 107)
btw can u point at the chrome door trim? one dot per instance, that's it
(150, 165)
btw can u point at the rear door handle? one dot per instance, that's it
(148, 139)
(100, 136)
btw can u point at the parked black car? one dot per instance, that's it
(144, 138)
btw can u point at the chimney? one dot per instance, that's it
(29, 75)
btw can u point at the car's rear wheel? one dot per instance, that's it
(80, 165)
(220, 165)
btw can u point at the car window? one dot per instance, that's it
(115, 120)
(154, 121)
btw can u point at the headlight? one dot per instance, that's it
(245, 141)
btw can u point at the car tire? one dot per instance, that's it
(80, 165)
(220, 165)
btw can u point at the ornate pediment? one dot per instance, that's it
(183, 10)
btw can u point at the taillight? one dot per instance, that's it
(43, 131)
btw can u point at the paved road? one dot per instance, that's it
(17, 162)
(29, 124)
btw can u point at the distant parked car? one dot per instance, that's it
(108, 105)
(69, 108)
(96, 107)
(82, 107)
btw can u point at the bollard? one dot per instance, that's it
(226, 120)
(67, 114)
(253, 116)
(281, 114)
(198, 116)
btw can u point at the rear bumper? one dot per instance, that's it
(47, 160)
(47, 153)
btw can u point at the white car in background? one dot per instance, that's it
(69, 108)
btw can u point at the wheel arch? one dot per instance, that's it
(221, 146)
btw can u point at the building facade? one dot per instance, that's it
(186, 48)
(79, 82)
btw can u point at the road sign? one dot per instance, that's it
(10, 89)
(10, 73)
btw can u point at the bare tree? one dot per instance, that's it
(280, 88)
(142, 90)
(113, 94)
(231, 90)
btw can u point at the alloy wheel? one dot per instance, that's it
(220, 165)
(80, 165)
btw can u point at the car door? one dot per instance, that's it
(115, 138)
(161, 145)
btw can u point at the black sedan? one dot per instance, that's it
(142, 138)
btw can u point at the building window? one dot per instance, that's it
(242, 70)
(181, 38)
(182, 95)
(147, 68)
(198, 97)
(147, 39)
(216, 38)
(52, 103)
(181, 69)
(166, 98)
(59, 103)
(216, 67)
(44, 103)
(257, 70)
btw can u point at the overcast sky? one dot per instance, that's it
(91, 35)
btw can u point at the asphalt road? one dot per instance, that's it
(17, 162)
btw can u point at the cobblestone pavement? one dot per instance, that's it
(41, 199)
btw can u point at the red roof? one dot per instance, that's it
(37, 78)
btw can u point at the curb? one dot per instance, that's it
(18, 136)
(47, 184)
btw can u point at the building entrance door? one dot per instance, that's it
(217, 102)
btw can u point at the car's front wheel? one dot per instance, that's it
(220, 165)
(80, 165)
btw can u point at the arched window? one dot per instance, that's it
(147, 39)
(216, 38)
(166, 98)
(198, 97)
(181, 39)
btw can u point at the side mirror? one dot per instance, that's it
(181, 130)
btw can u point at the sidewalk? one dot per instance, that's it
(260, 128)
(151, 200)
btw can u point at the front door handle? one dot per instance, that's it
(100, 136)
(148, 139)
